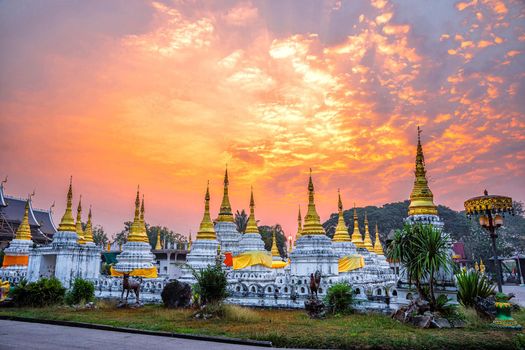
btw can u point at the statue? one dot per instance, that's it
(315, 282)
(128, 285)
(315, 307)
(4, 289)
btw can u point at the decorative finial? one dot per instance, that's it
(341, 231)
(68, 223)
(4, 181)
(24, 230)
(206, 229)
(312, 223)
(225, 211)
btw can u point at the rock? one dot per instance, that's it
(440, 322)
(428, 313)
(176, 294)
(399, 315)
(315, 308)
(421, 321)
(486, 307)
(458, 323)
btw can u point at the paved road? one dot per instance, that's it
(27, 336)
(518, 291)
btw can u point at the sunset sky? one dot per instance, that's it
(164, 94)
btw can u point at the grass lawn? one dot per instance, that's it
(291, 328)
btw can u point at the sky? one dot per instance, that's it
(166, 93)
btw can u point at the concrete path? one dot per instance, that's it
(518, 291)
(27, 336)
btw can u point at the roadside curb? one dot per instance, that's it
(217, 339)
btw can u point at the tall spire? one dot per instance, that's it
(78, 226)
(357, 237)
(136, 233)
(88, 233)
(189, 242)
(299, 226)
(225, 212)
(142, 222)
(367, 243)
(206, 229)
(341, 231)
(312, 223)
(378, 248)
(275, 250)
(68, 223)
(24, 230)
(421, 198)
(158, 246)
(251, 225)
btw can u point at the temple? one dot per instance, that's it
(68, 256)
(12, 211)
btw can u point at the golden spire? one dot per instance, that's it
(225, 212)
(421, 198)
(312, 223)
(481, 266)
(68, 223)
(206, 229)
(78, 227)
(142, 222)
(378, 248)
(357, 237)
(109, 247)
(299, 226)
(24, 230)
(275, 250)
(290, 244)
(341, 231)
(158, 246)
(367, 243)
(136, 233)
(88, 233)
(189, 242)
(251, 225)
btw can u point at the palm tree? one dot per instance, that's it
(423, 251)
(241, 220)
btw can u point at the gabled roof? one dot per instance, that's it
(14, 211)
(45, 219)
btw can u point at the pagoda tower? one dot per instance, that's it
(299, 226)
(78, 225)
(313, 250)
(225, 227)
(422, 208)
(16, 256)
(88, 232)
(158, 245)
(136, 257)
(251, 240)
(204, 249)
(357, 237)
(65, 258)
(341, 241)
(378, 248)
(367, 242)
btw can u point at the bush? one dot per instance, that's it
(211, 285)
(472, 284)
(176, 294)
(340, 298)
(44, 292)
(445, 307)
(83, 291)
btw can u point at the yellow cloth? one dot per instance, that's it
(351, 262)
(146, 273)
(246, 259)
(279, 264)
(15, 260)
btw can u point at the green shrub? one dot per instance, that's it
(472, 284)
(340, 298)
(211, 285)
(83, 291)
(44, 292)
(445, 307)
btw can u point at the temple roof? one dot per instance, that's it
(45, 219)
(15, 208)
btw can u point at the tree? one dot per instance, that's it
(99, 236)
(166, 235)
(423, 251)
(122, 237)
(241, 220)
(267, 236)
